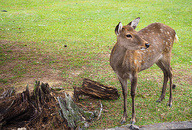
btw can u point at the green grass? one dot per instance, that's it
(40, 29)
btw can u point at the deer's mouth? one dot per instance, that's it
(142, 48)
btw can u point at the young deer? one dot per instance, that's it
(137, 51)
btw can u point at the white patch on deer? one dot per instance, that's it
(176, 39)
(135, 61)
(160, 57)
(130, 76)
(143, 49)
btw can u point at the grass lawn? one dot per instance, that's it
(63, 41)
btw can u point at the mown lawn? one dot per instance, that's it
(63, 41)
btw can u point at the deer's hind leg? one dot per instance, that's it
(167, 71)
(164, 81)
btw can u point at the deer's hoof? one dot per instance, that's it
(158, 101)
(169, 104)
(123, 121)
(173, 86)
(132, 122)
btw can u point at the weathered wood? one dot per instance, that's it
(74, 115)
(16, 109)
(25, 109)
(8, 93)
(96, 90)
(69, 111)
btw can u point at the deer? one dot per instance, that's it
(137, 51)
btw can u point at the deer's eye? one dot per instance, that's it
(129, 35)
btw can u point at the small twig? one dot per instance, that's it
(101, 109)
(10, 105)
(8, 93)
(57, 88)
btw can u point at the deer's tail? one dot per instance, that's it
(176, 39)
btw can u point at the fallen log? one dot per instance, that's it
(96, 90)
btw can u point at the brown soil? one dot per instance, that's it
(24, 65)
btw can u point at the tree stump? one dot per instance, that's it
(35, 110)
(96, 90)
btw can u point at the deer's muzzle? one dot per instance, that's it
(147, 45)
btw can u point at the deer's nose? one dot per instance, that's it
(147, 45)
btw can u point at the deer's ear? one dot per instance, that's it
(134, 23)
(118, 28)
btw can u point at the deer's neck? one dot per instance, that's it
(117, 56)
(125, 62)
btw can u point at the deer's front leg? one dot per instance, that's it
(133, 91)
(124, 91)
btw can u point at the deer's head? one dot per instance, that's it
(128, 37)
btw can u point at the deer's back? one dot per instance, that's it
(158, 34)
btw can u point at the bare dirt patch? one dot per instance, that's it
(183, 76)
(22, 65)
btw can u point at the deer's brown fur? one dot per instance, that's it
(137, 51)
